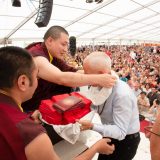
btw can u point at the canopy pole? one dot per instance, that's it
(20, 25)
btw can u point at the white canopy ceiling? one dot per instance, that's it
(111, 20)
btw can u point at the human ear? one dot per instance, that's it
(49, 41)
(23, 82)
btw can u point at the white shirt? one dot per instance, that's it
(120, 115)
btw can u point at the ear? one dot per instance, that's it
(23, 82)
(49, 41)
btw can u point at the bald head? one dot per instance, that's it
(97, 63)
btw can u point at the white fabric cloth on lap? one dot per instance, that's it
(70, 132)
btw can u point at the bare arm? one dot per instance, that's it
(40, 149)
(51, 73)
(100, 147)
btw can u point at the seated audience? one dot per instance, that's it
(155, 108)
(146, 88)
(152, 95)
(143, 102)
(137, 89)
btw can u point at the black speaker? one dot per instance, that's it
(16, 3)
(72, 45)
(44, 13)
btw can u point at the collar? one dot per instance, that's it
(50, 57)
(8, 100)
(46, 51)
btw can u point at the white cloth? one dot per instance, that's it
(87, 138)
(98, 95)
(70, 132)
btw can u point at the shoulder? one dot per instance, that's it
(38, 49)
(122, 91)
(19, 125)
(122, 88)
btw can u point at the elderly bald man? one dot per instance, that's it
(118, 111)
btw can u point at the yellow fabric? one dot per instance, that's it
(20, 107)
(50, 57)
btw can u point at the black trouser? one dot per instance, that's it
(125, 149)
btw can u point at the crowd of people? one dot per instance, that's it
(136, 65)
(45, 69)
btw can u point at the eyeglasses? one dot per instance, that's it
(148, 131)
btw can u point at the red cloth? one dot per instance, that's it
(143, 124)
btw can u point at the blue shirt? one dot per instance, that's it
(119, 114)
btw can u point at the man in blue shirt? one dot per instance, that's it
(119, 112)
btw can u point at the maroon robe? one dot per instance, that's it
(16, 130)
(46, 89)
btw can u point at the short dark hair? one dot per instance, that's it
(157, 101)
(143, 93)
(14, 61)
(54, 32)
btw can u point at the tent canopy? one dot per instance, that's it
(128, 20)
